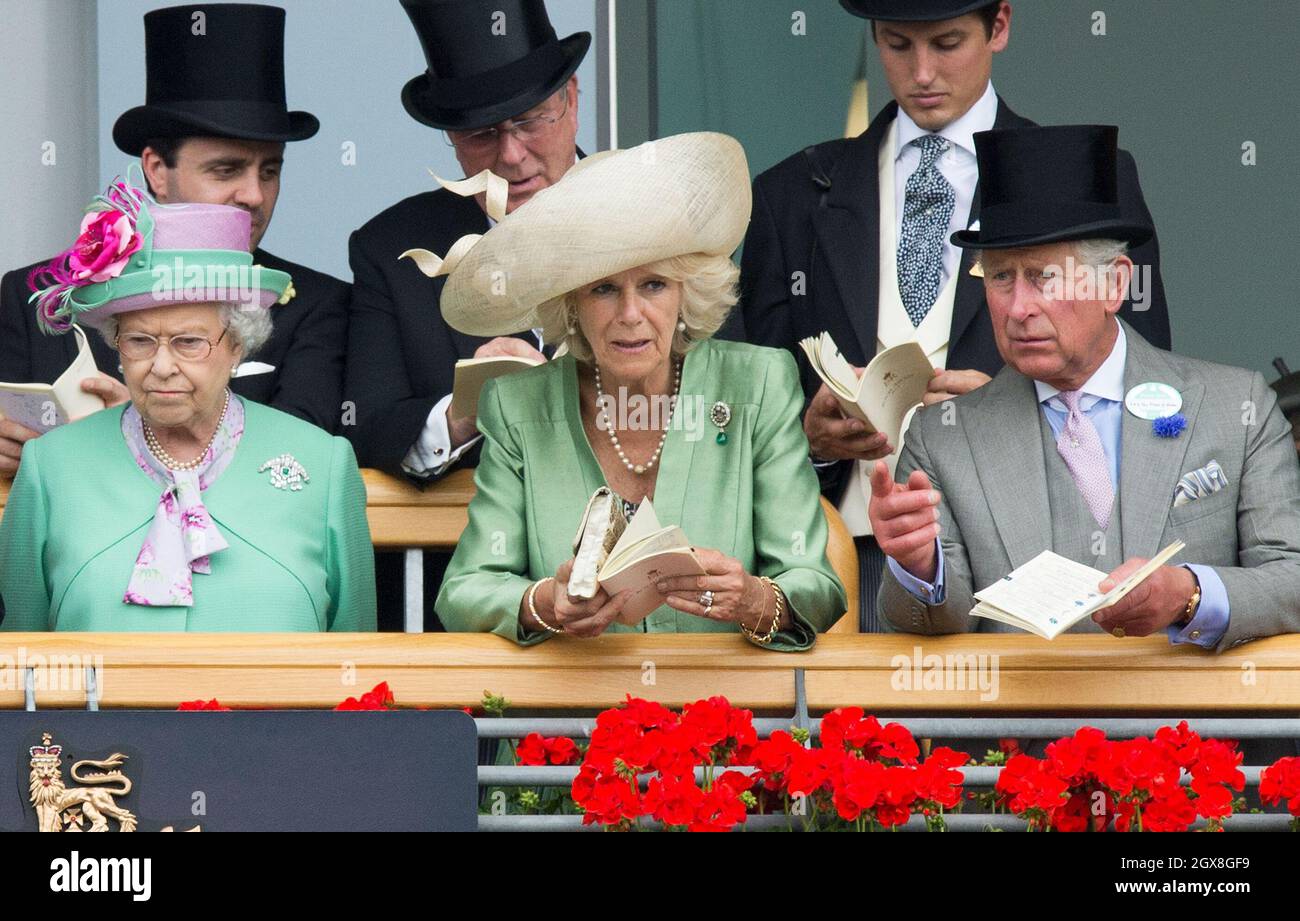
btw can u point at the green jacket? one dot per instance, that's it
(754, 498)
(80, 508)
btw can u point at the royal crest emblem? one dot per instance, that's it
(63, 808)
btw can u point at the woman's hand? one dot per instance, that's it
(738, 597)
(580, 617)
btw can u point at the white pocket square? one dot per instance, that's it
(1199, 483)
(249, 368)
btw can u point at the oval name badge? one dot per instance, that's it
(1153, 400)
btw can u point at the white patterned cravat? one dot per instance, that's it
(1081, 449)
(927, 210)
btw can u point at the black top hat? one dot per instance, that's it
(213, 69)
(1048, 185)
(489, 60)
(912, 10)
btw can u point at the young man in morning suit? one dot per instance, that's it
(507, 99)
(212, 130)
(823, 250)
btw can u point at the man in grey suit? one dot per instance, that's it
(1059, 452)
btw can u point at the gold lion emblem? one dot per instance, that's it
(60, 808)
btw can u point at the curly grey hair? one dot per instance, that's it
(709, 291)
(251, 328)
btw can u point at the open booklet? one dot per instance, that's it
(41, 407)
(891, 384)
(1050, 593)
(473, 373)
(615, 557)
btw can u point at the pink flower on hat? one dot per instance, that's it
(107, 241)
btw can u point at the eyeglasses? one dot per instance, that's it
(139, 346)
(525, 130)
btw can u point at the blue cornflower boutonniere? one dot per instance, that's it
(1169, 426)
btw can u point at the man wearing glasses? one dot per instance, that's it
(501, 90)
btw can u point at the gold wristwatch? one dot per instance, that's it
(1193, 603)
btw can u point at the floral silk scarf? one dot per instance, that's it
(182, 536)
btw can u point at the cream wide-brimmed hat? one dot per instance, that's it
(611, 212)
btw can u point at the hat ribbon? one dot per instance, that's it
(498, 191)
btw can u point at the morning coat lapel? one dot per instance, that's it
(968, 299)
(847, 231)
(1150, 466)
(1006, 443)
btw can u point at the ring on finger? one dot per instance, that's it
(706, 600)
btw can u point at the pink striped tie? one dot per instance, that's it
(1081, 449)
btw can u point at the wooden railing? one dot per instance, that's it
(1074, 675)
(400, 514)
(403, 516)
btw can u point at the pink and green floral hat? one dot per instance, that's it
(134, 253)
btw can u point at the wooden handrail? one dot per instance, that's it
(1074, 675)
(402, 515)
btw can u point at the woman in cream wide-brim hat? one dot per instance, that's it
(627, 261)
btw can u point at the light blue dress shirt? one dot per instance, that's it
(1103, 403)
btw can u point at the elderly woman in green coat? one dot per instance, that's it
(186, 508)
(627, 260)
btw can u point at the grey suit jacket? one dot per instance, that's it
(985, 456)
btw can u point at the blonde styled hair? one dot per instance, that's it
(709, 291)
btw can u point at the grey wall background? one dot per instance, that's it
(47, 97)
(346, 62)
(1188, 83)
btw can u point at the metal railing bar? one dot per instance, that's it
(954, 727)
(957, 823)
(92, 688)
(413, 582)
(562, 776)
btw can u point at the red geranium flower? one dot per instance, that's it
(202, 705)
(1280, 782)
(377, 698)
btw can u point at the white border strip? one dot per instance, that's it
(612, 88)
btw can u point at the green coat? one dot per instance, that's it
(754, 498)
(80, 508)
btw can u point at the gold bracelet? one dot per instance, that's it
(779, 598)
(533, 610)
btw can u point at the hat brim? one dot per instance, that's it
(572, 49)
(136, 292)
(1130, 233)
(611, 212)
(138, 126)
(871, 9)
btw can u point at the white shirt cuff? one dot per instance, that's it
(432, 452)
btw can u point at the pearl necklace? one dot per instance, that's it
(638, 469)
(171, 463)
